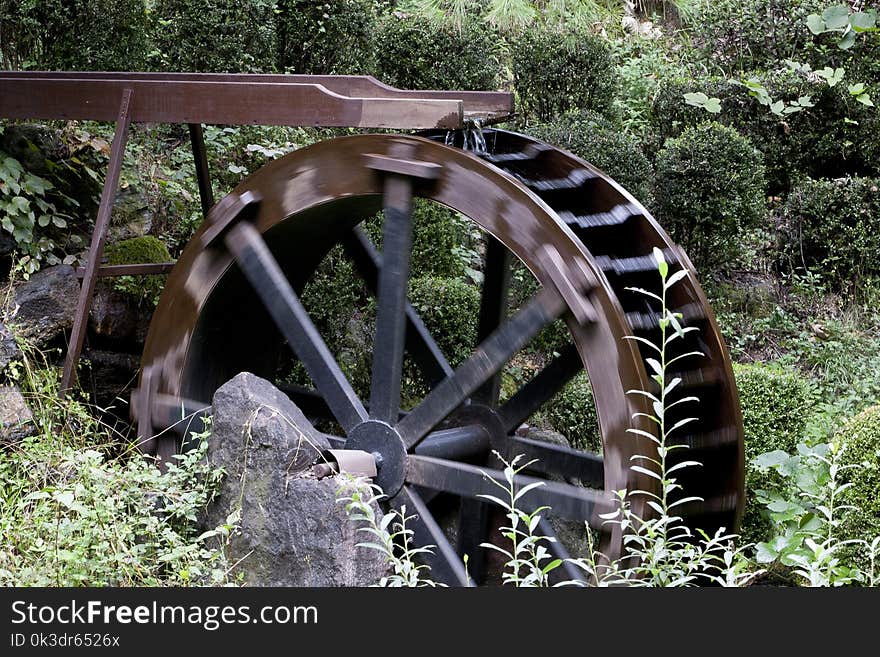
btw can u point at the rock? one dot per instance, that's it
(293, 532)
(132, 215)
(547, 436)
(46, 304)
(9, 350)
(16, 419)
(118, 316)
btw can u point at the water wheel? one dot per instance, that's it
(232, 304)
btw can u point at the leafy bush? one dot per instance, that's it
(775, 406)
(830, 226)
(733, 35)
(450, 308)
(91, 35)
(438, 236)
(20, 32)
(572, 412)
(555, 72)
(30, 213)
(744, 35)
(73, 513)
(860, 439)
(219, 36)
(334, 37)
(414, 53)
(603, 144)
(709, 188)
(820, 140)
(146, 249)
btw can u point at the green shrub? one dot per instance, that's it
(332, 297)
(219, 36)
(20, 33)
(817, 141)
(572, 412)
(830, 226)
(450, 309)
(334, 37)
(709, 188)
(775, 404)
(91, 35)
(739, 35)
(733, 35)
(860, 438)
(77, 508)
(138, 250)
(603, 144)
(414, 53)
(556, 72)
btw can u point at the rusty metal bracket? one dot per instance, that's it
(355, 462)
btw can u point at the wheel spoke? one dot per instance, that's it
(559, 460)
(474, 518)
(492, 354)
(446, 566)
(262, 270)
(493, 308)
(393, 282)
(565, 501)
(419, 342)
(543, 386)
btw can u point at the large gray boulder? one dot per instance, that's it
(293, 531)
(46, 304)
(16, 419)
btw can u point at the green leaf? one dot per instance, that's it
(44, 220)
(815, 23)
(777, 107)
(805, 101)
(865, 99)
(836, 17)
(863, 21)
(59, 222)
(848, 41)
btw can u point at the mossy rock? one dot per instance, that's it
(139, 250)
(860, 439)
(775, 405)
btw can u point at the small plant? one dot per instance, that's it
(529, 561)
(390, 535)
(809, 540)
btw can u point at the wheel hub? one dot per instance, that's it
(386, 446)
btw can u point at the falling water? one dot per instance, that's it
(473, 138)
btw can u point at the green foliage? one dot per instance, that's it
(414, 53)
(333, 37)
(830, 226)
(20, 31)
(835, 135)
(219, 36)
(90, 35)
(603, 144)
(860, 438)
(775, 404)
(736, 35)
(555, 72)
(30, 214)
(450, 308)
(138, 250)
(572, 412)
(438, 241)
(74, 514)
(709, 188)
(807, 517)
(332, 297)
